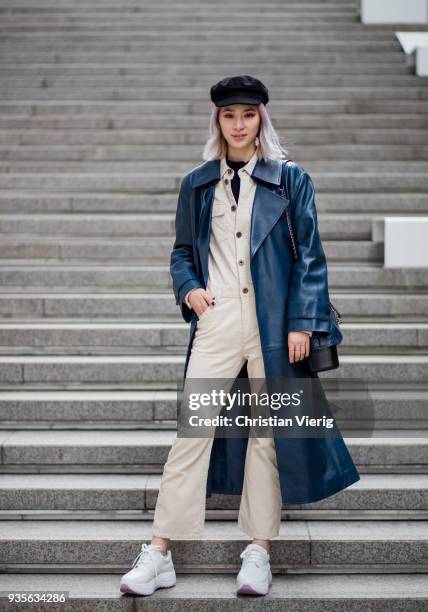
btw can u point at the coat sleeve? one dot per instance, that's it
(308, 298)
(182, 267)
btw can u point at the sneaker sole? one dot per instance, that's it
(254, 589)
(164, 581)
(248, 589)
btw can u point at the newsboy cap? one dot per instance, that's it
(241, 89)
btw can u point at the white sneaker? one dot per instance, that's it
(151, 570)
(255, 576)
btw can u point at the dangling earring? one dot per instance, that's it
(256, 141)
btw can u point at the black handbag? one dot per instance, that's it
(323, 345)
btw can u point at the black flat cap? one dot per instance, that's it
(242, 89)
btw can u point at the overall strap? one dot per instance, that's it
(283, 188)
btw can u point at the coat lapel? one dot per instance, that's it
(204, 229)
(268, 205)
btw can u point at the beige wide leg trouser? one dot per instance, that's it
(226, 336)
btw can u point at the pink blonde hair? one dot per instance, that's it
(269, 143)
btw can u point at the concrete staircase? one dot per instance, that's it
(103, 107)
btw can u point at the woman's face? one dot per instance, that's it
(241, 120)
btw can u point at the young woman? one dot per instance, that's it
(252, 310)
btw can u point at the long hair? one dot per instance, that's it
(269, 146)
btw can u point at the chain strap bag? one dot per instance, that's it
(323, 345)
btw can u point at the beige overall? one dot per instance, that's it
(226, 336)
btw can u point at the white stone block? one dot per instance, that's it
(411, 41)
(422, 61)
(394, 11)
(406, 242)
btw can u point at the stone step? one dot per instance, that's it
(16, 202)
(299, 592)
(83, 142)
(363, 174)
(107, 276)
(58, 14)
(153, 250)
(84, 159)
(97, 31)
(145, 158)
(207, 56)
(302, 546)
(186, 14)
(299, 51)
(33, 23)
(183, 72)
(79, 26)
(155, 409)
(53, 10)
(324, 24)
(306, 11)
(95, 26)
(320, 53)
(296, 93)
(117, 370)
(181, 8)
(124, 38)
(151, 409)
(92, 27)
(187, 127)
(155, 227)
(152, 338)
(172, 108)
(110, 37)
(133, 497)
(96, 34)
(50, 7)
(146, 451)
(136, 306)
(64, 371)
(386, 180)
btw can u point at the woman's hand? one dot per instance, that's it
(298, 346)
(200, 300)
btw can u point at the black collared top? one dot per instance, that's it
(236, 181)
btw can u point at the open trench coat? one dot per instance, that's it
(290, 295)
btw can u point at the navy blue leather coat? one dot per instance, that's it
(290, 296)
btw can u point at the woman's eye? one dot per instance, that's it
(249, 116)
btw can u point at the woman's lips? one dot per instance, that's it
(240, 137)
